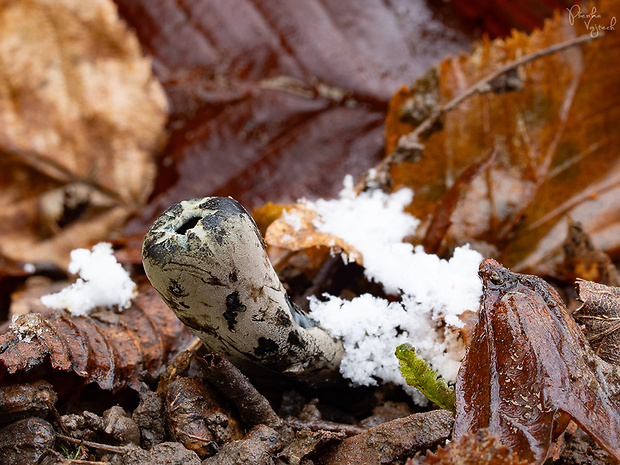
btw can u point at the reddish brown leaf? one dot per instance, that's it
(441, 217)
(500, 16)
(582, 259)
(555, 143)
(197, 417)
(528, 362)
(600, 314)
(111, 349)
(275, 101)
(474, 448)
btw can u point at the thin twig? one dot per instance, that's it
(57, 416)
(315, 425)
(96, 445)
(411, 140)
(253, 407)
(483, 85)
(67, 460)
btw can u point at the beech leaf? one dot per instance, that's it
(420, 376)
(81, 120)
(474, 448)
(277, 101)
(554, 141)
(600, 314)
(107, 348)
(529, 363)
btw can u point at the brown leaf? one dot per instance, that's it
(474, 448)
(528, 363)
(273, 102)
(582, 259)
(501, 16)
(197, 417)
(441, 221)
(556, 148)
(81, 118)
(111, 349)
(294, 230)
(600, 314)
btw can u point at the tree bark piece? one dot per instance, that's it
(394, 441)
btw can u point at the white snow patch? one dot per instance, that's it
(292, 220)
(430, 289)
(102, 282)
(29, 268)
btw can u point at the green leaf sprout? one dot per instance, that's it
(418, 374)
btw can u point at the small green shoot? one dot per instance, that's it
(418, 374)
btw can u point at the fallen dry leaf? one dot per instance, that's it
(111, 349)
(294, 230)
(474, 448)
(585, 261)
(277, 101)
(528, 366)
(501, 16)
(600, 315)
(554, 141)
(81, 120)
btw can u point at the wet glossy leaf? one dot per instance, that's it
(528, 365)
(276, 101)
(600, 315)
(81, 118)
(555, 145)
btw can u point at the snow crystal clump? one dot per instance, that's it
(102, 282)
(292, 220)
(430, 288)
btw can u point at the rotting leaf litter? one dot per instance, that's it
(110, 387)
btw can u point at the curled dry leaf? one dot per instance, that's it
(474, 448)
(197, 417)
(110, 349)
(600, 315)
(528, 366)
(25, 441)
(554, 141)
(294, 230)
(582, 259)
(81, 119)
